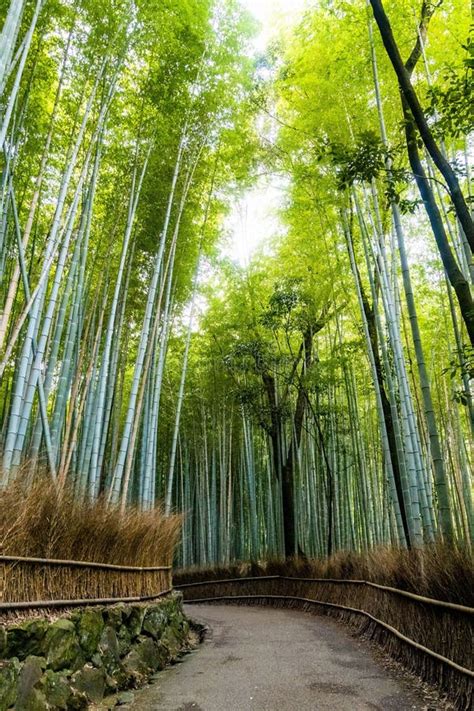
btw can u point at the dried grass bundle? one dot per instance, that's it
(40, 521)
(43, 522)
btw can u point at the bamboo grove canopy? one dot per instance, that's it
(317, 399)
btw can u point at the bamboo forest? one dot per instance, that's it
(290, 386)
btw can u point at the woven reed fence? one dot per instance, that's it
(430, 637)
(34, 580)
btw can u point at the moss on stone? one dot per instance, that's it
(91, 682)
(90, 653)
(109, 648)
(90, 626)
(124, 639)
(3, 641)
(155, 621)
(145, 657)
(114, 615)
(35, 701)
(9, 673)
(26, 638)
(29, 696)
(56, 688)
(62, 646)
(135, 620)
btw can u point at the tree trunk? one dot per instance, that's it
(458, 282)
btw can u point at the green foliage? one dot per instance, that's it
(361, 162)
(288, 349)
(450, 103)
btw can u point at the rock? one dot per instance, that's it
(172, 641)
(77, 701)
(122, 645)
(107, 704)
(114, 616)
(36, 701)
(26, 639)
(126, 697)
(124, 639)
(145, 657)
(154, 622)
(110, 658)
(3, 641)
(134, 668)
(62, 645)
(109, 648)
(30, 674)
(9, 672)
(165, 656)
(55, 687)
(151, 655)
(91, 682)
(173, 605)
(135, 620)
(111, 684)
(185, 628)
(97, 660)
(90, 626)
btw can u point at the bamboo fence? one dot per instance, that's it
(41, 580)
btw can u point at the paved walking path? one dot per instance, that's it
(265, 659)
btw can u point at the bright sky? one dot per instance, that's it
(254, 218)
(271, 13)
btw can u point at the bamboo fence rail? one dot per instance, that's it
(346, 581)
(32, 582)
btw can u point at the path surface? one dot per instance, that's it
(267, 659)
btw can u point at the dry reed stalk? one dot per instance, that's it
(27, 581)
(438, 571)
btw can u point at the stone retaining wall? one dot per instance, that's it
(78, 659)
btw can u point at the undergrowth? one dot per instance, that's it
(439, 570)
(40, 521)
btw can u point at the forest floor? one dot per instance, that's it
(281, 660)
